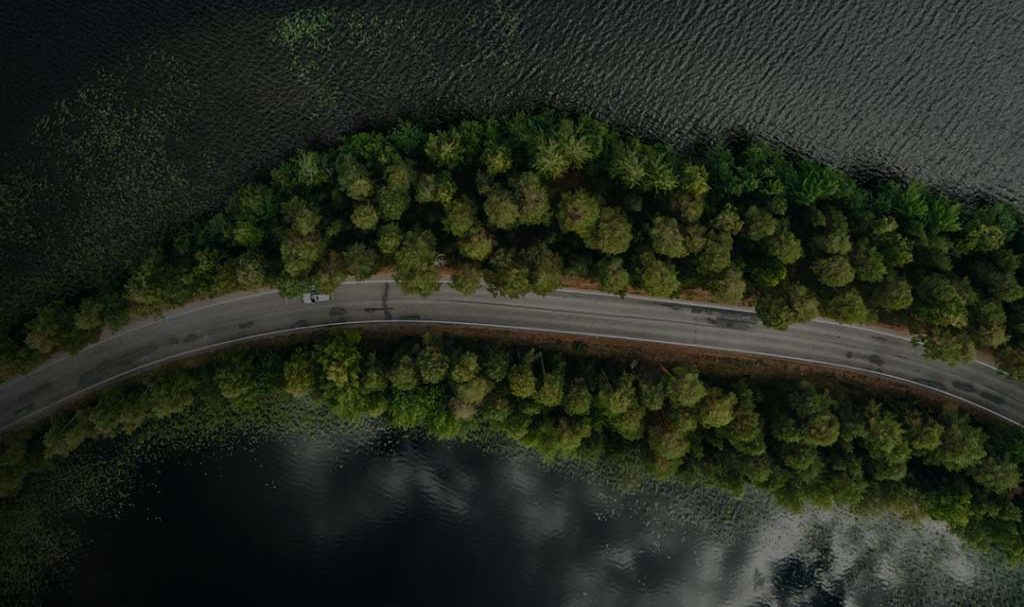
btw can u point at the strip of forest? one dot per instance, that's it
(800, 442)
(522, 201)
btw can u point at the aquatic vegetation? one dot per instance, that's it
(307, 35)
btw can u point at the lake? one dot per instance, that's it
(124, 121)
(373, 517)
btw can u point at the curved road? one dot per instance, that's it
(237, 318)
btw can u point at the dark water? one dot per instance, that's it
(374, 520)
(123, 120)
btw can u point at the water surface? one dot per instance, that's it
(375, 518)
(126, 119)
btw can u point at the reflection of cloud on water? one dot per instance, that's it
(580, 542)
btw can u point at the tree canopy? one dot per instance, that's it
(520, 200)
(792, 438)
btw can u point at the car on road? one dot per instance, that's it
(313, 297)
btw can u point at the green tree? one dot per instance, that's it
(465, 366)
(834, 239)
(808, 418)
(474, 391)
(496, 160)
(834, 271)
(894, 294)
(940, 302)
(996, 276)
(432, 361)
(578, 212)
(988, 324)
(728, 221)
(759, 224)
(477, 245)
(868, 263)
(846, 305)
(415, 267)
(551, 390)
(619, 397)
(404, 373)
(466, 278)
(522, 382)
(251, 271)
(996, 475)
(784, 246)
(652, 393)
(495, 363)
(745, 433)
(768, 272)
(672, 437)
(460, 216)
(612, 234)
(445, 149)
(550, 159)
(612, 275)
(170, 394)
(299, 379)
(660, 174)
(684, 387)
(45, 333)
(340, 360)
(716, 409)
(688, 197)
(501, 209)
(66, 432)
(728, 286)
(533, 198)
(361, 261)
(716, 255)
(354, 179)
(545, 269)
(666, 239)
(435, 188)
(886, 443)
(364, 217)
(508, 274)
(627, 164)
(301, 216)
(238, 381)
(392, 203)
(300, 254)
(962, 446)
(785, 305)
(656, 277)
(577, 397)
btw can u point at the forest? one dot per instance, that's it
(522, 201)
(800, 442)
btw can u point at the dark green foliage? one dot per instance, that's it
(787, 304)
(656, 276)
(466, 278)
(613, 232)
(522, 199)
(415, 263)
(578, 212)
(613, 276)
(795, 440)
(501, 209)
(666, 239)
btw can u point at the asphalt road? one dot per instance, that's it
(238, 318)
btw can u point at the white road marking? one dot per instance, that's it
(256, 336)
